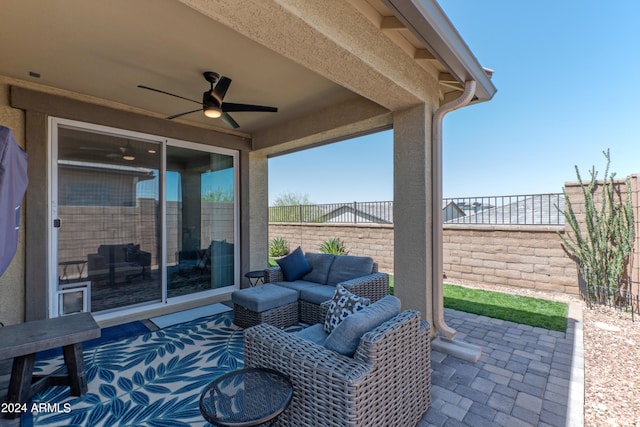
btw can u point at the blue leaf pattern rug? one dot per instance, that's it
(153, 379)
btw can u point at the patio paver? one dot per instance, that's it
(526, 376)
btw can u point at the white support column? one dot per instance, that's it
(412, 213)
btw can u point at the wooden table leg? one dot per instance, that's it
(74, 359)
(20, 382)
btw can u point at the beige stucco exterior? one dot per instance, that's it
(12, 289)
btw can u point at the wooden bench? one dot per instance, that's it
(22, 342)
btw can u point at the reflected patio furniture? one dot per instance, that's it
(217, 261)
(118, 263)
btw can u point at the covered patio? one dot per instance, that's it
(332, 70)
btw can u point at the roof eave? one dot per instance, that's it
(428, 22)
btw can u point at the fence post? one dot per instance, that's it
(355, 216)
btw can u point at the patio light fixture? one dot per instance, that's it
(212, 112)
(127, 152)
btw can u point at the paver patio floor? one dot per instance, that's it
(525, 377)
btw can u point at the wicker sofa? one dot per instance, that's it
(387, 382)
(356, 273)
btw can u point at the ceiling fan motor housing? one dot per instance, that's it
(209, 100)
(211, 76)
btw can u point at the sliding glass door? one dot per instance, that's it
(138, 219)
(200, 195)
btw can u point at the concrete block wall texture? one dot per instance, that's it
(529, 257)
(374, 240)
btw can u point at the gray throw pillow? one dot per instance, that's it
(343, 304)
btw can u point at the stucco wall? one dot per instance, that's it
(12, 281)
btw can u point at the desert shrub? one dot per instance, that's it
(333, 246)
(603, 246)
(278, 247)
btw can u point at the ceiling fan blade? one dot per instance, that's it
(231, 107)
(167, 93)
(220, 89)
(229, 120)
(175, 116)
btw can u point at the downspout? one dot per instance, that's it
(436, 194)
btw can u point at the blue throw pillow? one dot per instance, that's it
(294, 265)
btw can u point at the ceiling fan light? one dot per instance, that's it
(128, 157)
(212, 112)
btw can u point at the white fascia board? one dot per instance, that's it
(428, 22)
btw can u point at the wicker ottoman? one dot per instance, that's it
(275, 305)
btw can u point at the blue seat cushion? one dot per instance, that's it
(345, 338)
(320, 266)
(263, 298)
(347, 267)
(314, 333)
(317, 294)
(294, 265)
(296, 285)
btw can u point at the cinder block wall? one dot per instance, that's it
(528, 257)
(374, 240)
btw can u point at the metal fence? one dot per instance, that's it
(354, 212)
(623, 296)
(532, 209)
(526, 209)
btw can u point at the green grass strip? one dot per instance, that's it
(530, 311)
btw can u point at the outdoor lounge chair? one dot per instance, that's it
(387, 382)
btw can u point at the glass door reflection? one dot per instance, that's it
(200, 221)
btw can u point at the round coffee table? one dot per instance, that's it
(247, 397)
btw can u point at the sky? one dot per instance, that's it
(568, 89)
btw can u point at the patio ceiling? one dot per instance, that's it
(104, 49)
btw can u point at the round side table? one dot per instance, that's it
(247, 397)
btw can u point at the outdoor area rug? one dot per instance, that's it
(112, 333)
(153, 379)
(189, 315)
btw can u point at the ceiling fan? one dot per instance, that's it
(212, 104)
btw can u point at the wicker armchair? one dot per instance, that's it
(373, 286)
(386, 383)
